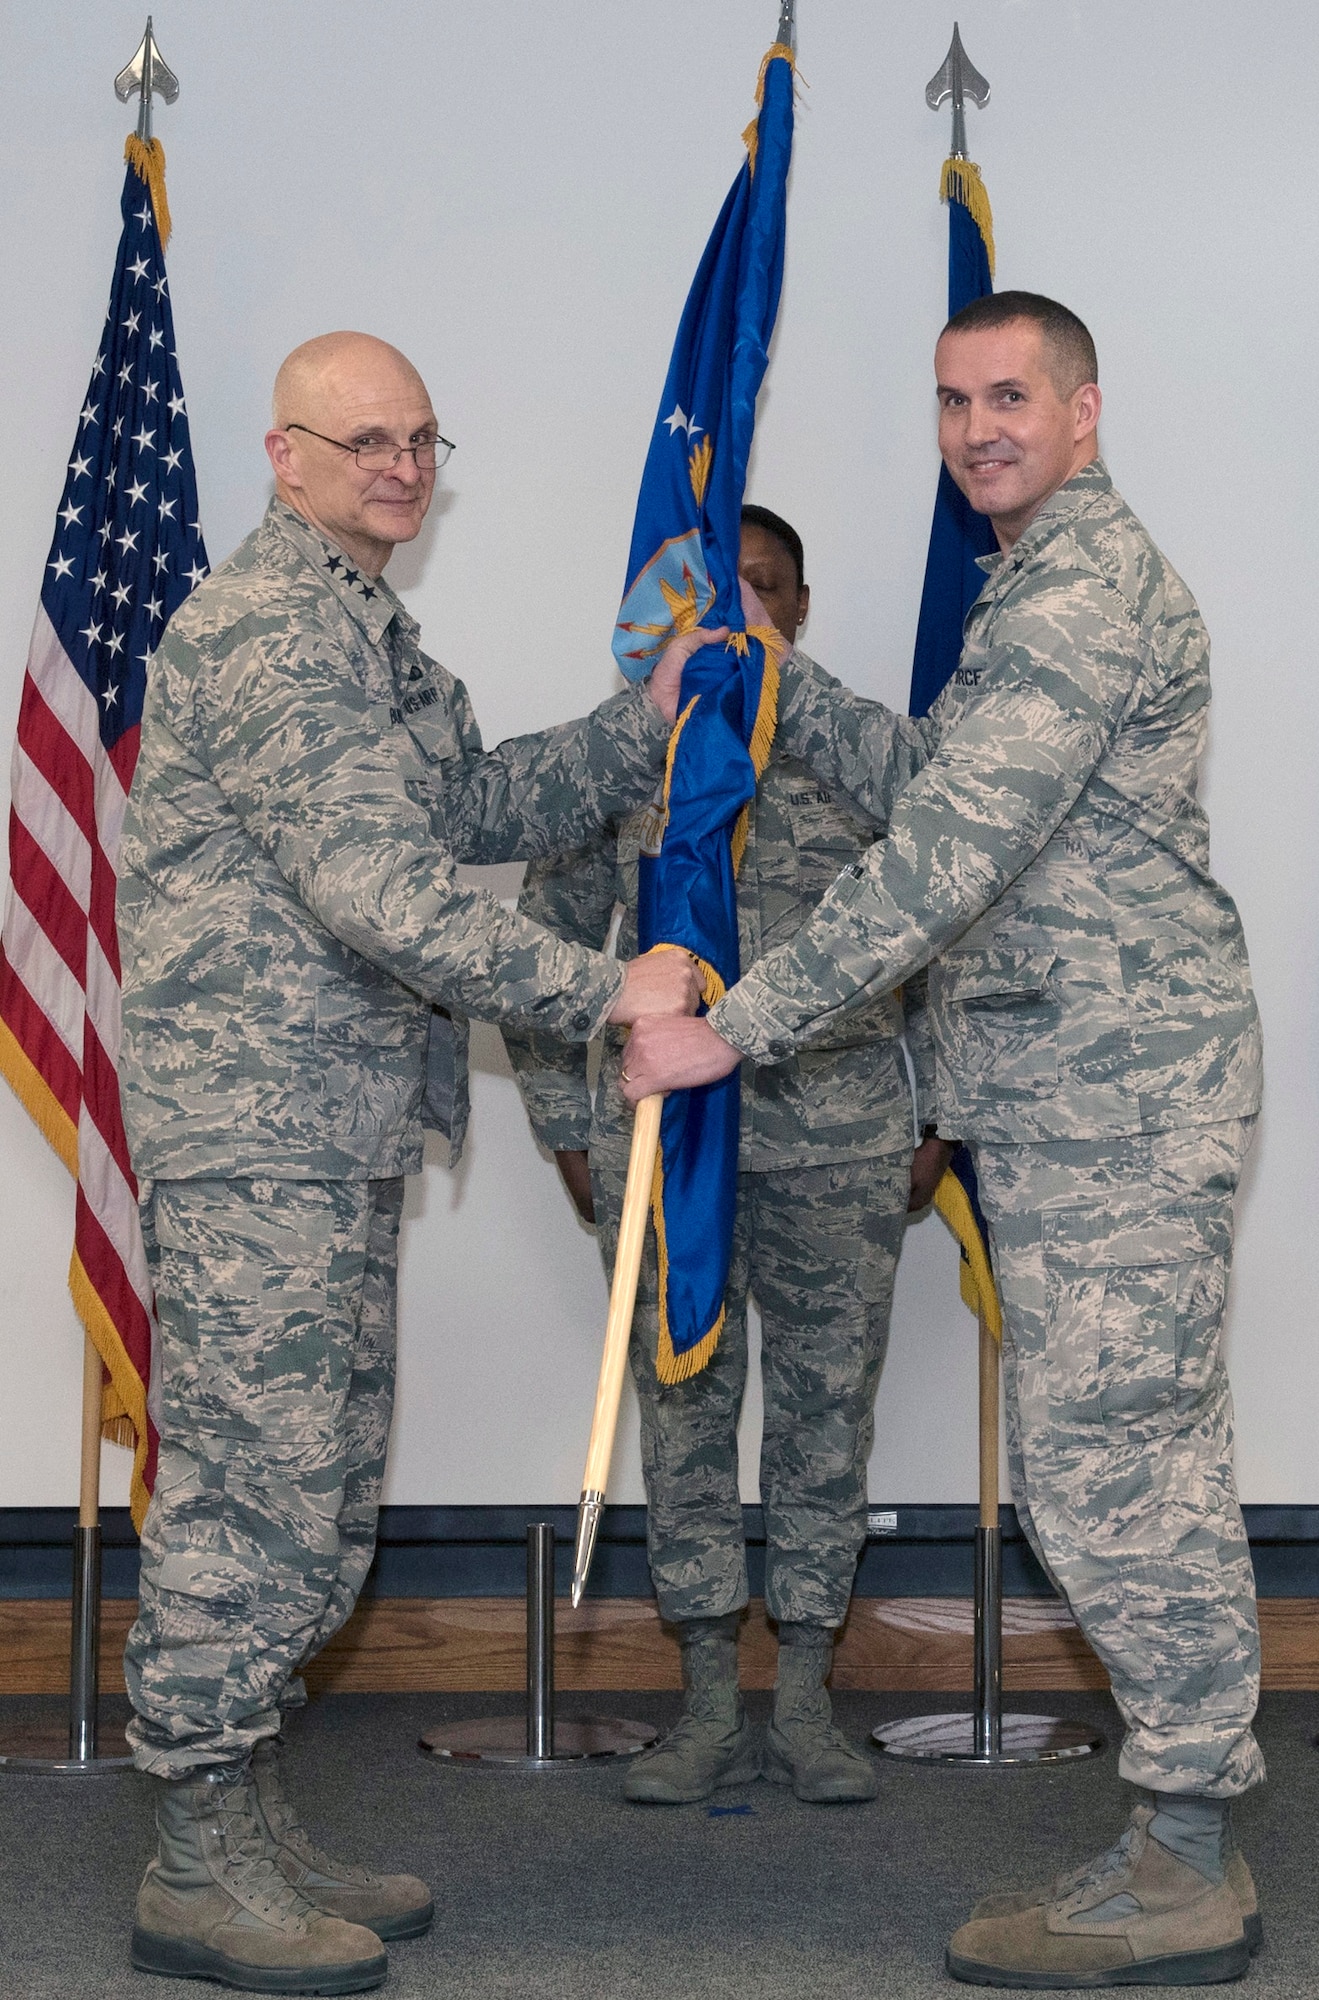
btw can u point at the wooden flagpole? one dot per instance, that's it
(618, 1328)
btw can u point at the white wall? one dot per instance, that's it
(517, 194)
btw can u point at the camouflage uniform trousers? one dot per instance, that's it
(276, 1306)
(1112, 1261)
(818, 1246)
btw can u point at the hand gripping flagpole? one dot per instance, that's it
(746, 283)
(985, 1736)
(148, 76)
(618, 1327)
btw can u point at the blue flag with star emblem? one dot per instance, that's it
(953, 581)
(682, 573)
(127, 550)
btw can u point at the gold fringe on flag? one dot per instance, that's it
(38, 1100)
(123, 1402)
(762, 733)
(124, 1399)
(670, 1366)
(751, 137)
(975, 1276)
(961, 182)
(147, 159)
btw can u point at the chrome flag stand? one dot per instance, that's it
(40, 1750)
(540, 1741)
(986, 1735)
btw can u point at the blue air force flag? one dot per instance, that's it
(953, 581)
(682, 573)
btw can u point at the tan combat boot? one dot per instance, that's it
(1136, 1917)
(213, 1905)
(713, 1743)
(393, 1906)
(1238, 1877)
(802, 1748)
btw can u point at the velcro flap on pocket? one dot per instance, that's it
(370, 1017)
(197, 1573)
(1095, 1239)
(976, 975)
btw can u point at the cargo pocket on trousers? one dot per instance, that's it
(1153, 1287)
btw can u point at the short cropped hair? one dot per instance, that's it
(782, 531)
(1070, 352)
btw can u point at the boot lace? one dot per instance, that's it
(287, 1830)
(250, 1867)
(1113, 1861)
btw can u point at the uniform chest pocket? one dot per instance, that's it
(1001, 1016)
(824, 835)
(430, 725)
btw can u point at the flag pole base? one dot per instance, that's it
(985, 1736)
(84, 1747)
(35, 1753)
(502, 1740)
(951, 1739)
(538, 1741)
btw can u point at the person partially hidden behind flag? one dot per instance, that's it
(826, 1178)
(298, 954)
(1098, 1046)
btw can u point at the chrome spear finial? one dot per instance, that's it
(148, 75)
(590, 1510)
(958, 79)
(787, 34)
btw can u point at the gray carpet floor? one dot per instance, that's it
(551, 1887)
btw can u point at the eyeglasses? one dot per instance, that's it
(382, 454)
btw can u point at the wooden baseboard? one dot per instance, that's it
(406, 1645)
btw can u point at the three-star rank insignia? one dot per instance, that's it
(335, 563)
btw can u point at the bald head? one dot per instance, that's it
(336, 367)
(332, 395)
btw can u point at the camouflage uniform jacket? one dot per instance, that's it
(845, 1097)
(1048, 858)
(289, 910)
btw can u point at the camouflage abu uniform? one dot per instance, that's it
(825, 1162)
(296, 949)
(1097, 1044)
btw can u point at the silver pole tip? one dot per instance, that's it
(590, 1508)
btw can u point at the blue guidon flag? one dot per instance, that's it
(953, 581)
(682, 573)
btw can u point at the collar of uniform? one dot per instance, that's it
(368, 600)
(1060, 508)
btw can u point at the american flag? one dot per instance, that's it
(127, 550)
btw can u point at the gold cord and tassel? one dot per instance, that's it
(961, 182)
(751, 137)
(147, 159)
